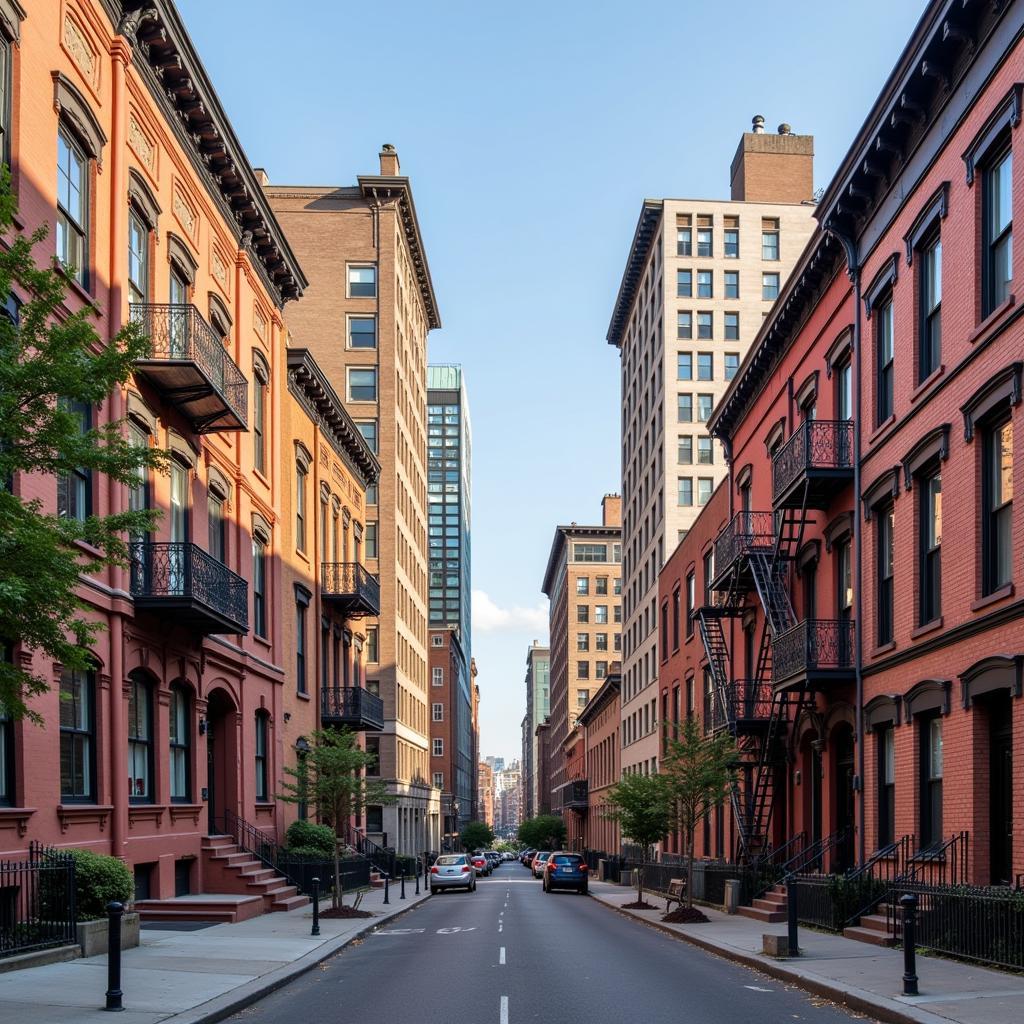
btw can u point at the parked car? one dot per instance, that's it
(565, 871)
(452, 871)
(538, 862)
(494, 857)
(526, 856)
(481, 864)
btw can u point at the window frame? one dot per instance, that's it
(65, 220)
(885, 590)
(885, 358)
(139, 744)
(930, 546)
(350, 334)
(996, 158)
(260, 616)
(261, 756)
(76, 504)
(349, 293)
(88, 688)
(350, 372)
(885, 806)
(929, 312)
(994, 516)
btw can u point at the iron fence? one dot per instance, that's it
(816, 444)
(352, 583)
(744, 531)
(37, 902)
(301, 870)
(813, 645)
(353, 706)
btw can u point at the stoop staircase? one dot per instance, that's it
(770, 908)
(881, 928)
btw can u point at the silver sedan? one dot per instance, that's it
(452, 871)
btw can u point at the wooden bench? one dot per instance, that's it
(676, 892)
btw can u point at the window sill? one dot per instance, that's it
(926, 384)
(77, 289)
(263, 641)
(927, 627)
(303, 696)
(16, 817)
(881, 429)
(877, 652)
(991, 320)
(996, 595)
(261, 476)
(88, 549)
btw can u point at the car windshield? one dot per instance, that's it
(448, 861)
(543, 856)
(566, 860)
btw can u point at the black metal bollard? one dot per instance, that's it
(909, 904)
(792, 891)
(401, 894)
(115, 911)
(417, 880)
(386, 900)
(316, 907)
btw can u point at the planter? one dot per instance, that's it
(92, 935)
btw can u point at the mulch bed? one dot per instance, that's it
(345, 912)
(638, 905)
(686, 915)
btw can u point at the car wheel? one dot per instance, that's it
(433, 891)
(583, 890)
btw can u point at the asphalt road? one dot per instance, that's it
(509, 953)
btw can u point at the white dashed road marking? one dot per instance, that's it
(757, 988)
(503, 1012)
(501, 955)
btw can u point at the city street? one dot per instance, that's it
(511, 953)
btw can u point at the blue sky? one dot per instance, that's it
(531, 134)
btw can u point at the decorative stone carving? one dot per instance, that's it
(81, 50)
(185, 214)
(142, 145)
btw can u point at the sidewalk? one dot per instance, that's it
(866, 978)
(186, 977)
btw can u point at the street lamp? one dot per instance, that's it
(455, 822)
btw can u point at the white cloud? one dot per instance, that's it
(489, 617)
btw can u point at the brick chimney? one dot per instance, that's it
(611, 510)
(771, 168)
(389, 161)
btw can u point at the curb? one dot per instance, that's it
(877, 1007)
(252, 991)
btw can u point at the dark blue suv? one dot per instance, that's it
(565, 871)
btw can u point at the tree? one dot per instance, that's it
(699, 773)
(476, 835)
(330, 778)
(545, 832)
(51, 364)
(642, 806)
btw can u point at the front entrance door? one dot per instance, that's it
(842, 740)
(211, 783)
(221, 760)
(1001, 792)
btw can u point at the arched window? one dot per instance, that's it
(180, 743)
(262, 763)
(140, 739)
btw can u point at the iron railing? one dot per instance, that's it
(355, 872)
(741, 700)
(873, 880)
(381, 858)
(812, 858)
(180, 570)
(813, 645)
(816, 444)
(574, 795)
(744, 531)
(351, 581)
(255, 842)
(178, 332)
(37, 901)
(351, 704)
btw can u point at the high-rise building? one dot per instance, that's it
(700, 277)
(508, 799)
(538, 708)
(583, 584)
(449, 501)
(365, 317)
(486, 791)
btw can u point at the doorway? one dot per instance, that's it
(221, 761)
(1001, 790)
(842, 744)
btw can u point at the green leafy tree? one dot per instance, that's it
(52, 362)
(545, 832)
(642, 805)
(476, 835)
(330, 778)
(699, 772)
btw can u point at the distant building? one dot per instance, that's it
(543, 733)
(538, 708)
(601, 727)
(486, 790)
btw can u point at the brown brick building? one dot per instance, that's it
(451, 732)
(602, 739)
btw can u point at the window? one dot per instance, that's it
(705, 451)
(590, 553)
(362, 384)
(601, 586)
(582, 586)
(5, 106)
(582, 613)
(438, 747)
(997, 506)
(769, 238)
(140, 740)
(705, 366)
(732, 284)
(930, 748)
(368, 428)
(300, 506)
(259, 587)
(705, 238)
(844, 390)
(885, 552)
(684, 366)
(261, 763)
(582, 669)
(7, 793)
(138, 257)
(74, 488)
(373, 768)
(675, 619)
(372, 654)
(691, 600)
(370, 540)
(685, 491)
(684, 284)
(997, 238)
(931, 548)
(582, 642)
(705, 285)
(732, 363)
(685, 450)
(770, 286)
(704, 405)
(218, 527)
(600, 614)
(930, 292)
(600, 669)
(601, 641)
(705, 326)
(138, 489)
(704, 487)
(844, 580)
(684, 408)
(732, 243)
(72, 206)
(437, 712)
(684, 241)
(362, 332)
(362, 282)
(77, 737)
(259, 417)
(684, 326)
(582, 698)
(884, 376)
(732, 327)
(438, 780)
(300, 645)
(886, 742)
(708, 566)
(437, 677)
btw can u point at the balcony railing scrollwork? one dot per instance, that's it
(822, 449)
(746, 530)
(352, 707)
(350, 587)
(813, 647)
(745, 703)
(575, 795)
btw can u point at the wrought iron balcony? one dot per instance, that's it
(575, 795)
(350, 588)
(185, 584)
(189, 365)
(814, 652)
(818, 458)
(352, 707)
(747, 707)
(746, 531)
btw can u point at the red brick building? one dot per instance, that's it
(870, 434)
(600, 721)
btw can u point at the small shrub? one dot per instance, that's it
(311, 853)
(99, 879)
(307, 835)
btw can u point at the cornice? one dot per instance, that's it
(650, 214)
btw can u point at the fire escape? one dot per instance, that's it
(755, 555)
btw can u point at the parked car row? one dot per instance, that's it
(461, 870)
(557, 869)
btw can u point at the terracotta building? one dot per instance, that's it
(485, 788)
(601, 724)
(118, 143)
(880, 543)
(475, 748)
(368, 278)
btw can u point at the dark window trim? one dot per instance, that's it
(74, 111)
(148, 686)
(10, 797)
(1005, 386)
(838, 529)
(775, 436)
(744, 476)
(186, 693)
(11, 17)
(932, 448)
(808, 391)
(927, 695)
(92, 797)
(929, 559)
(839, 351)
(262, 761)
(998, 672)
(220, 315)
(883, 710)
(808, 556)
(885, 586)
(1006, 116)
(181, 258)
(141, 197)
(927, 221)
(885, 487)
(881, 284)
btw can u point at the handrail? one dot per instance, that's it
(744, 531)
(256, 842)
(815, 853)
(815, 444)
(374, 853)
(785, 850)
